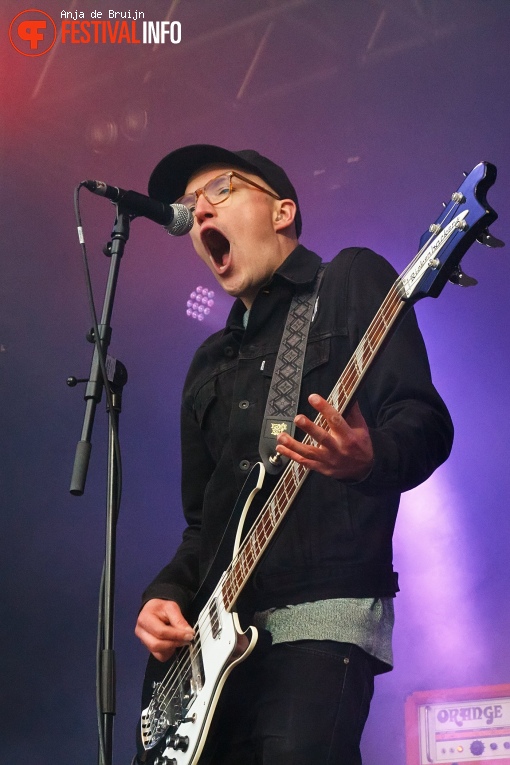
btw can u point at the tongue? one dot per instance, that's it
(219, 247)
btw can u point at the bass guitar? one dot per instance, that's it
(180, 696)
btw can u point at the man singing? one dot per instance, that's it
(324, 588)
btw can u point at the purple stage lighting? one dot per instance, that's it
(199, 304)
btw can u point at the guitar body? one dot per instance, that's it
(180, 696)
(193, 696)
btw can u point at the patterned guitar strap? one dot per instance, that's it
(283, 398)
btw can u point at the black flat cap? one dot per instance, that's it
(170, 176)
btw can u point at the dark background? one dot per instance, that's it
(375, 107)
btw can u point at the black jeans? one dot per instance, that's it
(299, 703)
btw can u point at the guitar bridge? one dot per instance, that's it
(173, 696)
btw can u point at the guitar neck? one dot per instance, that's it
(274, 510)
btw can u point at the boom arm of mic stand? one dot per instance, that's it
(94, 388)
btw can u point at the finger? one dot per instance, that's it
(158, 640)
(333, 417)
(160, 630)
(152, 642)
(321, 436)
(163, 655)
(171, 611)
(295, 450)
(314, 462)
(164, 620)
(161, 650)
(309, 455)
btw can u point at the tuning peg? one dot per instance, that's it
(490, 241)
(465, 174)
(458, 276)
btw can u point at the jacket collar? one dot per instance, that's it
(299, 268)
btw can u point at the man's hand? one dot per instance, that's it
(162, 628)
(344, 452)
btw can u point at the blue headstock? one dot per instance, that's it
(465, 218)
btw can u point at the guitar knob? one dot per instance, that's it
(179, 742)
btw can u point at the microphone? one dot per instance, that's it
(177, 219)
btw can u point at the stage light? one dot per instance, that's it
(133, 123)
(101, 134)
(199, 304)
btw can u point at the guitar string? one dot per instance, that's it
(351, 376)
(377, 328)
(354, 374)
(234, 566)
(354, 368)
(185, 662)
(348, 382)
(231, 585)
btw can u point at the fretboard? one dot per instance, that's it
(274, 510)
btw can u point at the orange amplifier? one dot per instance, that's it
(459, 725)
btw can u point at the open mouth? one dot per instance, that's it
(218, 247)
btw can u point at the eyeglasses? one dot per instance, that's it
(218, 190)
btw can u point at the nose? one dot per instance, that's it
(203, 208)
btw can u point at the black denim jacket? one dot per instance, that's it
(337, 538)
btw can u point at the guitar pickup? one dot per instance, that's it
(214, 619)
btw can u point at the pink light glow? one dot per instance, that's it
(438, 575)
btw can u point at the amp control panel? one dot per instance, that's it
(459, 725)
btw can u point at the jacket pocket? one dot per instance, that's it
(317, 354)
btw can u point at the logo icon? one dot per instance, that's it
(278, 427)
(32, 32)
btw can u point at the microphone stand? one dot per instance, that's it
(116, 381)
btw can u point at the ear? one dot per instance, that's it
(284, 214)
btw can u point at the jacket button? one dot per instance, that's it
(229, 352)
(244, 404)
(244, 465)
